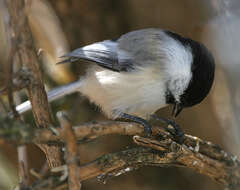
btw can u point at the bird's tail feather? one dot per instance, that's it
(103, 53)
(53, 95)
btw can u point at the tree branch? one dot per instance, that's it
(169, 154)
(71, 156)
(25, 49)
(21, 133)
(202, 156)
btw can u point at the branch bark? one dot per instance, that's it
(71, 156)
(21, 133)
(25, 49)
(169, 154)
(202, 156)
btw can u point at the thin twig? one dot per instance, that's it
(4, 107)
(71, 156)
(9, 79)
(23, 166)
(44, 170)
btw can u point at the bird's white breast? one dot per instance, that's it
(140, 92)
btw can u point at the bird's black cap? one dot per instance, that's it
(202, 68)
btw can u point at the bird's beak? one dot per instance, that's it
(177, 108)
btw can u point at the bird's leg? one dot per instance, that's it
(143, 122)
(178, 131)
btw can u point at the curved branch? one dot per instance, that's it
(20, 133)
(169, 154)
(202, 156)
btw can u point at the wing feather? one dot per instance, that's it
(103, 53)
(131, 50)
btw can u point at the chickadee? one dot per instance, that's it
(141, 72)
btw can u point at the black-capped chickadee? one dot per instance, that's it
(141, 72)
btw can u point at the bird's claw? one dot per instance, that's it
(148, 130)
(177, 133)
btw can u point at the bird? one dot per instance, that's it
(139, 73)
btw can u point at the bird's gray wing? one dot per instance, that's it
(103, 53)
(142, 47)
(130, 50)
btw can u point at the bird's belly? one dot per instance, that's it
(138, 94)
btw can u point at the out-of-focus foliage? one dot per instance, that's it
(222, 35)
(50, 39)
(8, 173)
(4, 47)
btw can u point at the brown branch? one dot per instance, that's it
(23, 166)
(202, 156)
(9, 79)
(71, 156)
(170, 154)
(20, 133)
(20, 31)
(3, 107)
(181, 155)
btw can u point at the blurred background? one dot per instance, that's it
(63, 25)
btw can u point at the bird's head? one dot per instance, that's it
(202, 76)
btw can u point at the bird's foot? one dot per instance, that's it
(172, 127)
(143, 122)
(177, 131)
